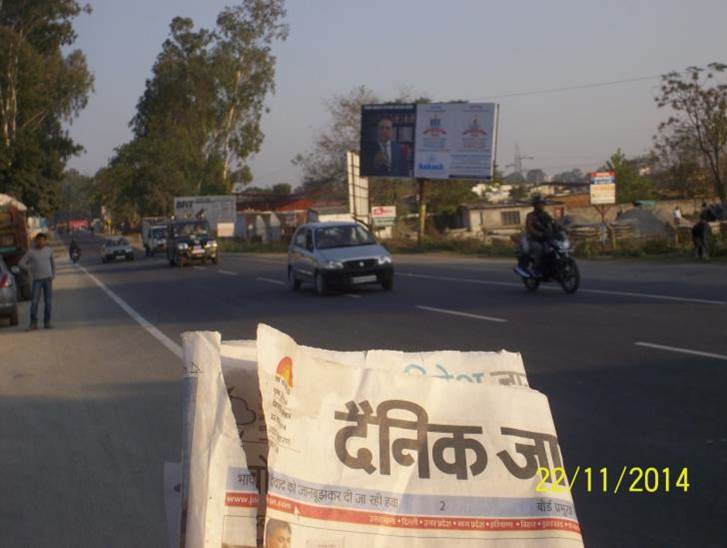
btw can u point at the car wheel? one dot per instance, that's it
(292, 280)
(388, 284)
(14, 316)
(320, 284)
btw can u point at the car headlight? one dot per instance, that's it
(182, 246)
(385, 259)
(212, 244)
(333, 264)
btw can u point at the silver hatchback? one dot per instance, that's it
(337, 255)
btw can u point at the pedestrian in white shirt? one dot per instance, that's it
(677, 214)
(39, 260)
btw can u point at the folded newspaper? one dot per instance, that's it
(362, 453)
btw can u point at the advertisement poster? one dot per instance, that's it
(387, 140)
(603, 188)
(455, 140)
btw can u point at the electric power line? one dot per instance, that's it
(569, 88)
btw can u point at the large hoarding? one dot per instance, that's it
(219, 211)
(455, 140)
(431, 141)
(387, 140)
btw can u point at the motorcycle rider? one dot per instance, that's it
(539, 226)
(74, 249)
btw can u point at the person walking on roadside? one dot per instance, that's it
(677, 215)
(39, 260)
(700, 236)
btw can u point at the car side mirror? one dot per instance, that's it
(15, 269)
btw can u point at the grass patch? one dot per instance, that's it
(466, 246)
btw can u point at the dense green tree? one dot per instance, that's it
(198, 120)
(42, 85)
(630, 185)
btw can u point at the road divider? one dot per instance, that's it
(678, 350)
(463, 314)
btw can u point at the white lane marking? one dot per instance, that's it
(463, 314)
(352, 296)
(682, 350)
(143, 322)
(594, 291)
(271, 281)
(200, 267)
(227, 272)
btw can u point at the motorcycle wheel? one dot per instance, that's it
(570, 277)
(531, 284)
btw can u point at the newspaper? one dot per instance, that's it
(361, 457)
(219, 492)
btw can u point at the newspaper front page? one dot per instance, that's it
(361, 457)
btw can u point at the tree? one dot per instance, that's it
(698, 100)
(41, 86)
(573, 176)
(630, 186)
(198, 120)
(518, 193)
(282, 189)
(535, 176)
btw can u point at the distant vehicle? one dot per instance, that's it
(14, 241)
(154, 234)
(8, 293)
(558, 265)
(337, 254)
(116, 248)
(190, 241)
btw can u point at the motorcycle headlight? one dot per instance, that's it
(182, 246)
(385, 259)
(333, 264)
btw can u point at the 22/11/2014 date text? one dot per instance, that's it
(629, 479)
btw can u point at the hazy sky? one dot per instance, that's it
(458, 49)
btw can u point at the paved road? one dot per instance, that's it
(634, 365)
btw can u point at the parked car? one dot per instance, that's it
(190, 241)
(8, 293)
(337, 254)
(116, 248)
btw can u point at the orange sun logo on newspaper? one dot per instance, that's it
(285, 371)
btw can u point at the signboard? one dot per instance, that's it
(603, 187)
(454, 140)
(387, 140)
(383, 215)
(215, 209)
(358, 187)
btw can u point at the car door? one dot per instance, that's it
(296, 251)
(307, 262)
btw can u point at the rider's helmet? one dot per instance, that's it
(537, 199)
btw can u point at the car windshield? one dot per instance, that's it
(158, 233)
(192, 229)
(343, 236)
(120, 241)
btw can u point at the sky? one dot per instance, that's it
(460, 49)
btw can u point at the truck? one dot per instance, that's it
(154, 234)
(14, 240)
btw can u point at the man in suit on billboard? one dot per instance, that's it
(386, 157)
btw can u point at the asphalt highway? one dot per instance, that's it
(634, 364)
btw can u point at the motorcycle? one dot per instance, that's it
(75, 255)
(557, 265)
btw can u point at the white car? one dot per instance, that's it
(116, 248)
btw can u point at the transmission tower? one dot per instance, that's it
(517, 162)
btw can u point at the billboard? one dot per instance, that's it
(454, 140)
(603, 187)
(219, 211)
(383, 215)
(387, 140)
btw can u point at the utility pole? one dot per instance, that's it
(517, 162)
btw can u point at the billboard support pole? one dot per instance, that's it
(496, 139)
(422, 210)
